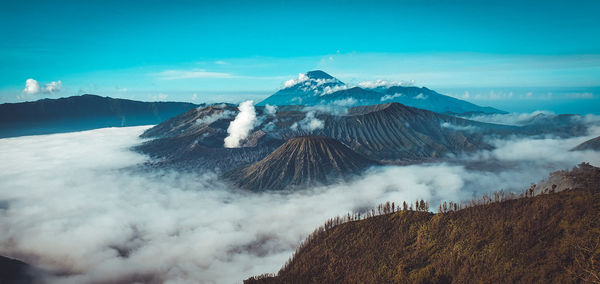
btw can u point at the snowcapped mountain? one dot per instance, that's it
(319, 88)
(305, 90)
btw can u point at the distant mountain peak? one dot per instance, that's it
(312, 82)
(316, 87)
(318, 74)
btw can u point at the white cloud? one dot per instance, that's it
(301, 78)
(382, 83)
(496, 95)
(33, 87)
(191, 74)
(309, 123)
(468, 128)
(320, 82)
(420, 97)
(96, 221)
(514, 118)
(347, 102)
(546, 149)
(160, 97)
(206, 120)
(221, 62)
(327, 108)
(53, 87)
(314, 85)
(337, 107)
(241, 126)
(328, 89)
(270, 110)
(390, 97)
(584, 95)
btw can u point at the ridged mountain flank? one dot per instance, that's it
(592, 144)
(387, 133)
(299, 162)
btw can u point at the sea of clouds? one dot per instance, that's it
(76, 205)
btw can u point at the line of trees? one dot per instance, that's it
(448, 206)
(391, 207)
(587, 262)
(381, 209)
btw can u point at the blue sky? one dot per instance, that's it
(234, 50)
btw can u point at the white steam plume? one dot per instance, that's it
(241, 126)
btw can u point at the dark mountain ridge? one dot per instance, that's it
(390, 133)
(592, 144)
(14, 271)
(431, 100)
(82, 113)
(397, 133)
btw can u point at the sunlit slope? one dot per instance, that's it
(549, 238)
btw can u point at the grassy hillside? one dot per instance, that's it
(550, 238)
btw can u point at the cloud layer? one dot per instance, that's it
(94, 217)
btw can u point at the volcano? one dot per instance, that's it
(319, 88)
(592, 144)
(301, 161)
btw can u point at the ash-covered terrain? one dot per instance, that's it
(224, 137)
(302, 161)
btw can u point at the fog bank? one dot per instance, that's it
(74, 203)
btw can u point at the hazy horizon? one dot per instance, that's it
(559, 100)
(233, 51)
(98, 218)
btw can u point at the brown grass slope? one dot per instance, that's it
(550, 238)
